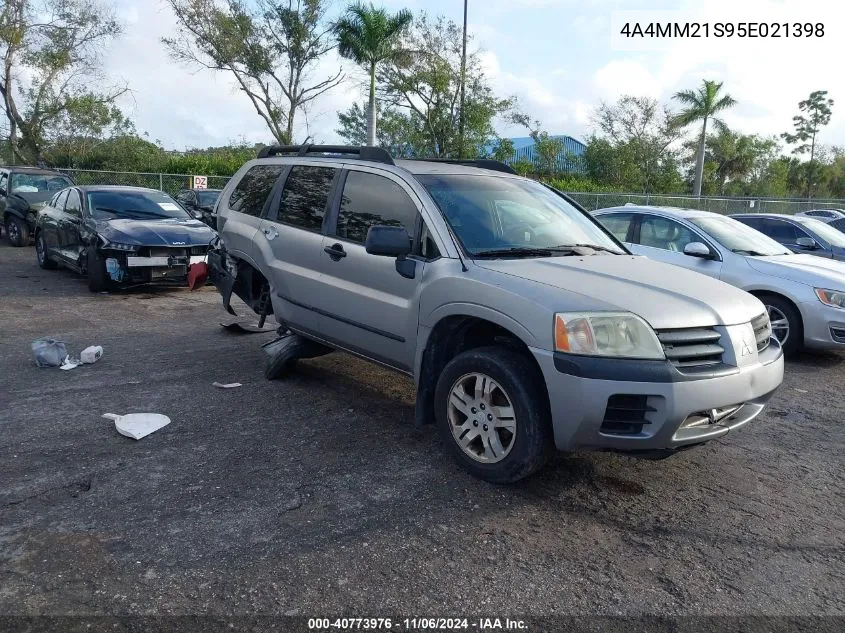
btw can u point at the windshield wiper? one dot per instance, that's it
(752, 253)
(595, 247)
(516, 251)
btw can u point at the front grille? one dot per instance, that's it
(762, 331)
(626, 414)
(168, 251)
(691, 347)
(199, 250)
(838, 334)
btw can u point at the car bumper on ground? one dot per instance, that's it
(649, 405)
(824, 326)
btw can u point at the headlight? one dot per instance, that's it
(835, 298)
(619, 334)
(116, 246)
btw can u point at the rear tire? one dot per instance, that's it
(516, 400)
(17, 231)
(44, 259)
(98, 280)
(780, 310)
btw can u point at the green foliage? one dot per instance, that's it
(397, 132)
(818, 109)
(270, 48)
(425, 84)
(51, 54)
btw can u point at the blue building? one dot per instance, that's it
(570, 159)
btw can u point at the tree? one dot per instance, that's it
(702, 105)
(269, 47)
(818, 109)
(370, 36)
(50, 53)
(397, 132)
(638, 134)
(426, 83)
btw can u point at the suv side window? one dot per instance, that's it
(368, 200)
(666, 234)
(254, 188)
(618, 224)
(306, 196)
(73, 206)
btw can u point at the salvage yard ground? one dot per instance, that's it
(317, 495)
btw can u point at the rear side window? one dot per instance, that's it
(369, 200)
(306, 196)
(618, 224)
(783, 232)
(60, 200)
(74, 204)
(839, 224)
(254, 189)
(754, 223)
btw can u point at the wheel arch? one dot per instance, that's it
(453, 334)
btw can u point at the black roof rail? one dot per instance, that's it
(481, 163)
(373, 154)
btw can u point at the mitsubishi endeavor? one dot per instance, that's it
(525, 324)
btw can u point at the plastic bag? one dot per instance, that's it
(49, 352)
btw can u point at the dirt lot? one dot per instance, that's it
(318, 496)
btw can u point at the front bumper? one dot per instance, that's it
(824, 326)
(679, 410)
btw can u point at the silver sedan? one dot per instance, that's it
(805, 295)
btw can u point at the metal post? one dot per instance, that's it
(463, 85)
(161, 182)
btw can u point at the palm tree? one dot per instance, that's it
(369, 36)
(702, 105)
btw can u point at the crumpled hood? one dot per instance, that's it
(156, 232)
(664, 295)
(35, 200)
(819, 272)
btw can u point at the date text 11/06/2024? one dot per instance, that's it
(723, 29)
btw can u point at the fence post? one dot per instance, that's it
(597, 202)
(161, 182)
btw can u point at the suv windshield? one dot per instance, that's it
(107, 205)
(829, 234)
(739, 237)
(36, 183)
(507, 216)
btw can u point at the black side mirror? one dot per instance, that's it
(392, 241)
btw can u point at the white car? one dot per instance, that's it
(804, 295)
(825, 215)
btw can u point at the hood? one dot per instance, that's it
(664, 295)
(803, 269)
(36, 200)
(156, 232)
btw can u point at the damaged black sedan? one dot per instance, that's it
(120, 236)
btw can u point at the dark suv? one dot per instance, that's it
(23, 191)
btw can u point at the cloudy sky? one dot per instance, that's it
(556, 56)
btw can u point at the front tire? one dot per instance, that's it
(787, 326)
(493, 414)
(98, 280)
(44, 259)
(17, 231)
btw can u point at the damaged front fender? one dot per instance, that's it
(221, 277)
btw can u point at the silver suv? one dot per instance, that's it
(525, 324)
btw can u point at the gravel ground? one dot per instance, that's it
(317, 495)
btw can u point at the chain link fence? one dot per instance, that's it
(172, 183)
(169, 183)
(593, 201)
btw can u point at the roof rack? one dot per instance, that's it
(373, 154)
(481, 163)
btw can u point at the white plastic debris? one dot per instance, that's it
(69, 363)
(230, 385)
(138, 425)
(91, 354)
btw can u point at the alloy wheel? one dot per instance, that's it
(39, 249)
(13, 231)
(780, 324)
(481, 417)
